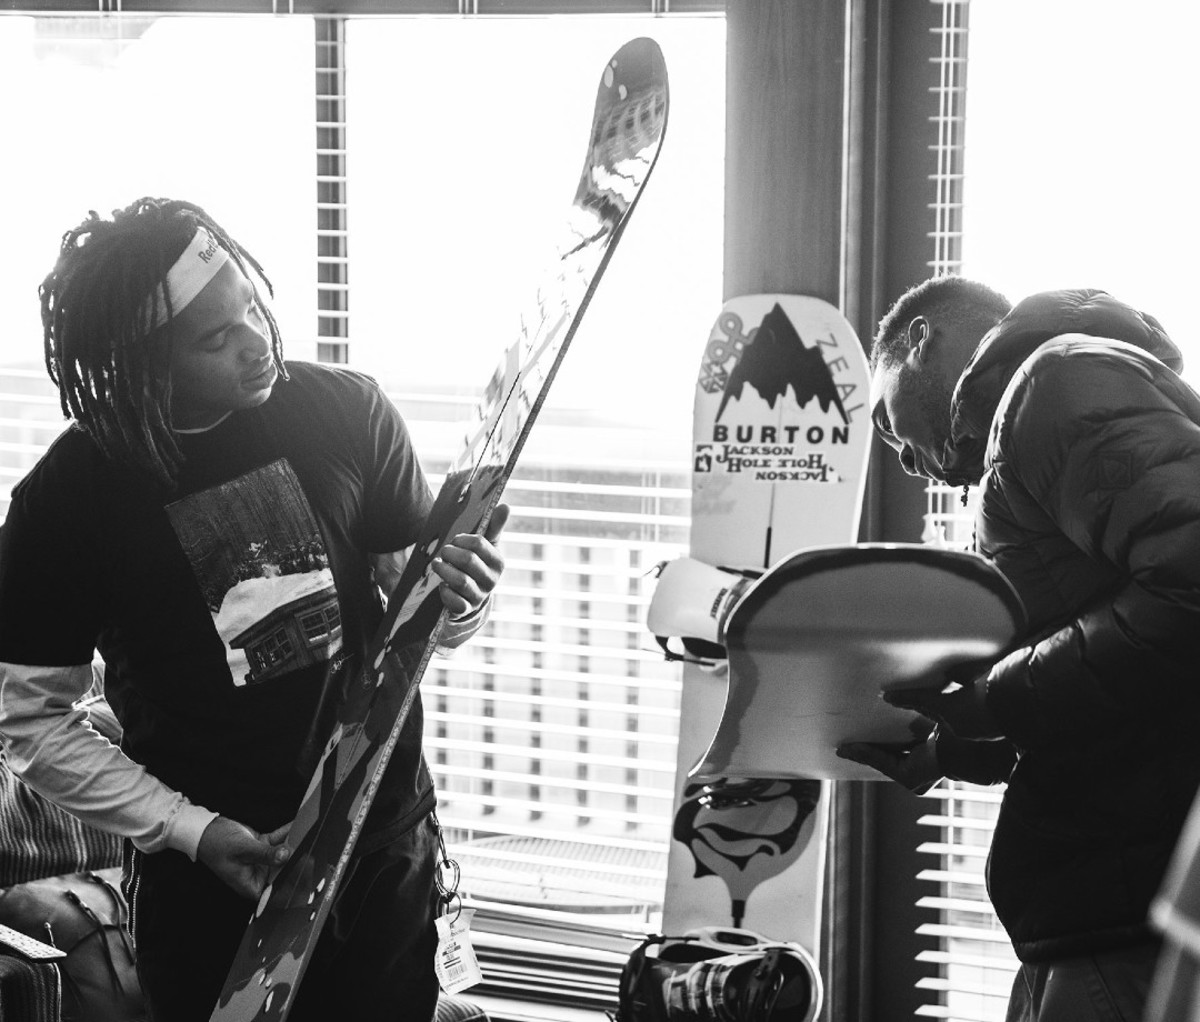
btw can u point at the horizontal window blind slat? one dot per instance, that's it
(594, 678)
(941, 848)
(521, 929)
(512, 806)
(560, 515)
(958, 1013)
(520, 974)
(946, 904)
(567, 892)
(943, 876)
(521, 484)
(998, 988)
(524, 699)
(31, 451)
(963, 933)
(625, 574)
(55, 426)
(500, 748)
(538, 727)
(957, 822)
(616, 869)
(38, 401)
(440, 449)
(976, 961)
(444, 686)
(990, 796)
(633, 654)
(547, 592)
(459, 773)
(507, 613)
(514, 533)
(598, 841)
(506, 969)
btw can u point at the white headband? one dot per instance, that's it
(198, 264)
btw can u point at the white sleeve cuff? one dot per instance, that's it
(51, 746)
(185, 827)
(457, 630)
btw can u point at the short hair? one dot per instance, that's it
(959, 299)
(100, 305)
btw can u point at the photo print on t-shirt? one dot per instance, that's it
(262, 566)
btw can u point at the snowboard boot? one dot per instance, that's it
(719, 976)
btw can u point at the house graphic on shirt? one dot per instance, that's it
(262, 568)
(281, 624)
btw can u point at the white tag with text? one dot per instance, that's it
(456, 966)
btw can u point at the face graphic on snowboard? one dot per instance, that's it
(220, 352)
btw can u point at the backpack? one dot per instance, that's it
(83, 914)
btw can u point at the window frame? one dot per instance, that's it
(895, 218)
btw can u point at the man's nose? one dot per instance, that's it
(254, 345)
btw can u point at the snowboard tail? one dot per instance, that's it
(627, 129)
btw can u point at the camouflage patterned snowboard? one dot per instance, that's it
(626, 133)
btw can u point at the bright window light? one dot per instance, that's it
(466, 139)
(111, 109)
(1081, 153)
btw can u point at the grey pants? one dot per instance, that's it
(1107, 987)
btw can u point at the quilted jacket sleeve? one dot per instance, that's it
(1107, 441)
(977, 762)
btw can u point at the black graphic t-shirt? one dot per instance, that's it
(219, 610)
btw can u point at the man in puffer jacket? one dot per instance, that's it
(1069, 412)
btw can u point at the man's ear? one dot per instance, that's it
(920, 337)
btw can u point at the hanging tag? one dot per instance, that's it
(456, 966)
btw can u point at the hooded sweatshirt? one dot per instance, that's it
(1086, 443)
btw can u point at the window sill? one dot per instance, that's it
(505, 1009)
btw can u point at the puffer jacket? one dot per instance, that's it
(1087, 446)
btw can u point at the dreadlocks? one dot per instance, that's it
(100, 305)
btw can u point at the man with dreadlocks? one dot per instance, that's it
(218, 525)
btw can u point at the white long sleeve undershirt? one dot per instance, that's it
(50, 744)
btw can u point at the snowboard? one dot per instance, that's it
(815, 641)
(623, 144)
(782, 433)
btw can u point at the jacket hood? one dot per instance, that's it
(1027, 327)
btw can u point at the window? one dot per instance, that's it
(1095, 189)
(975, 959)
(321, 625)
(552, 734)
(275, 648)
(102, 130)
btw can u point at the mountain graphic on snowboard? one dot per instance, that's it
(773, 357)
